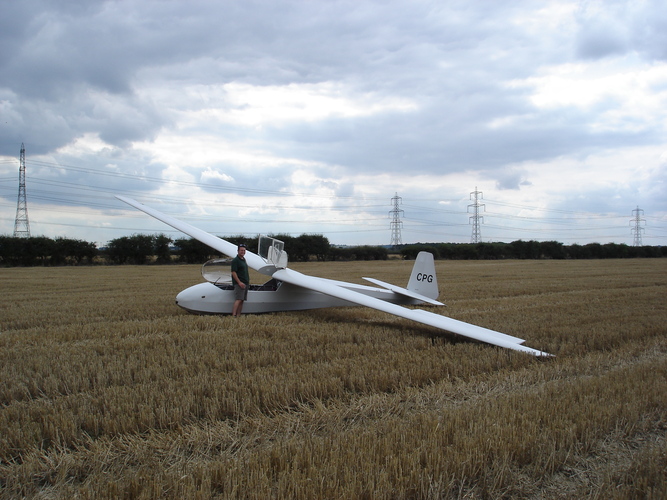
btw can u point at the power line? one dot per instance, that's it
(58, 192)
(160, 180)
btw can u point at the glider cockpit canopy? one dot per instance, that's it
(218, 271)
(272, 251)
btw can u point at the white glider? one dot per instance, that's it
(290, 290)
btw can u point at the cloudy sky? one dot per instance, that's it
(276, 116)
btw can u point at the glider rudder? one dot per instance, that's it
(423, 279)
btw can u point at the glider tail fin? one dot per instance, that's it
(423, 279)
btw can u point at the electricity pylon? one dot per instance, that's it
(396, 223)
(476, 219)
(21, 224)
(637, 229)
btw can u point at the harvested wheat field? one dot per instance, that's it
(108, 390)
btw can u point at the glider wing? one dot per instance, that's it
(224, 246)
(418, 315)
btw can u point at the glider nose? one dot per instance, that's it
(191, 299)
(188, 298)
(201, 298)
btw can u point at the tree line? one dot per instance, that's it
(43, 251)
(532, 250)
(142, 249)
(161, 249)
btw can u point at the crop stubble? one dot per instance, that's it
(109, 390)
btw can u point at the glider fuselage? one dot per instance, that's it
(273, 296)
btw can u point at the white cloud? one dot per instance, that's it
(254, 106)
(213, 176)
(619, 94)
(584, 85)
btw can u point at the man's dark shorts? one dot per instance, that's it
(240, 293)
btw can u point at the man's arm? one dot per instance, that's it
(236, 279)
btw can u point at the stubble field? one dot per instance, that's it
(108, 390)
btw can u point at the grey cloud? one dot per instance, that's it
(620, 27)
(246, 181)
(598, 39)
(510, 179)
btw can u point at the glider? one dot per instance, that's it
(290, 290)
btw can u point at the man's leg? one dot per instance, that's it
(237, 307)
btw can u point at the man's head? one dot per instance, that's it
(241, 249)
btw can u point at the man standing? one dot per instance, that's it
(241, 280)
